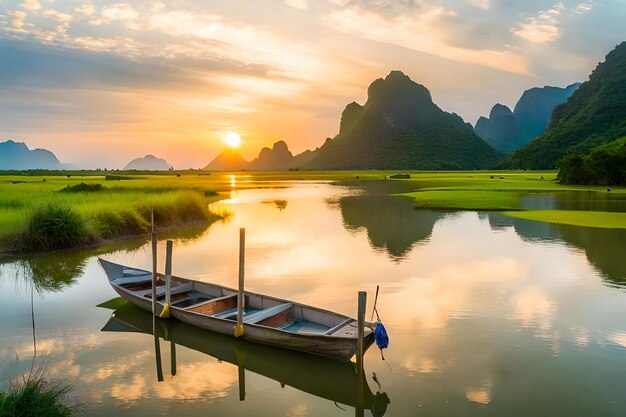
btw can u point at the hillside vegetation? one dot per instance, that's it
(605, 165)
(593, 116)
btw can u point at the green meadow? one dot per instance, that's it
(44, 211)
(505, 191)
(39, 213)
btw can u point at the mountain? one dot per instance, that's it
(500, 129)
(534, 108)
(277, 158)
(508, 130)
(228, 160)
(400, 127)
(17, 156)
(148, 163)
(593, 116)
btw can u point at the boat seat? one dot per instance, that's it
(133, 279)
(226, 314)
(161, 290)
(337, 327)
(266, 313)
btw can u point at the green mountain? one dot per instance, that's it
(275, 158)
(400, 127)
(148, 163)
(593, 116)
(228, 160)
(17, 156)
(533, 110)
(500, 129)
(508, 131)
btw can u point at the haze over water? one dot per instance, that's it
(487, 315)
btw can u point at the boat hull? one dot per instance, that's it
(340, 348)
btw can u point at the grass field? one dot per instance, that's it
(576, 218)
(504, 191)
(44, 210)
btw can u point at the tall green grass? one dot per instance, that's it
(54, 225)
(34, 396)
(42, 216)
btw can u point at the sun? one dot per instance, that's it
(232, 140)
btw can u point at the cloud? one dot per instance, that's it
(18, 20)
(86, 9)
(62, 24)
(298, 4)
(422, 32)
(32, 5)
(583, 8)
(121, 11)
(542, 28)
(481, 4)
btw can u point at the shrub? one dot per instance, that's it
(109, 223)
(83, 188)
(35, 397)
(54, 225)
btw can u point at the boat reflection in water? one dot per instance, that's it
(325, 378)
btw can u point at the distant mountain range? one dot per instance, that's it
(508, 130)
(148, 163)
(399, 127)
(593, 116)
(17, 156)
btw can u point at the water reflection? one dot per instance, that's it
(488, 315)
(602, 247)
(56, 271)
(576, 200)
(393, 224)
(325, 378)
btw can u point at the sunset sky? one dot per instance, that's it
(101, 83)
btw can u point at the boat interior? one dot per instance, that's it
(221, 303)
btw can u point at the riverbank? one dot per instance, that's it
(41, 211)
(530, 195)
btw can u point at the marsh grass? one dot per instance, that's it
(35, 396)
(65, 212)
(54, 225)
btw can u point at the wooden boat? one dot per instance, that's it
(322, 377)
(267, 320)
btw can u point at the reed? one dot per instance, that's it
(35, 396)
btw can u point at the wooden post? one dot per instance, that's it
(173, 358)
(361, 328)
(359, 411)
(154, 263)
(157, 350)
(168, 272)
(241, 371)
(241, 297)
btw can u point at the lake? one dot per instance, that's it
(487, 315)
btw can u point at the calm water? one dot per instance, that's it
(487, 315)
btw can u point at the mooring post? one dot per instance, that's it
(168, 272)
(361, 324)
(360, 346)
(154, 263)
(157, 350)
(173, 358)
(240, 297)
(241, 372)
